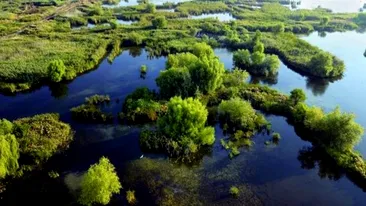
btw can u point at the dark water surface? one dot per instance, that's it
(290, 173)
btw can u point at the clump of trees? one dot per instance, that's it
(240, 115)
(182, 130)
(29, 142)
(99, 183)
(187, 73)
(141, 106)
(257, 63)
(184, 122)
(91, 110)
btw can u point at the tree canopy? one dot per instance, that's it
(239, 114)
(184, 122)
(9, 154)
(200, 70)
(99, 183)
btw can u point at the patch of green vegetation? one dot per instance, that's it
(257, 63)
(141, 106)
(143, 69)
(99, 183)
(234, 191)
(131, 198)
(91, 111)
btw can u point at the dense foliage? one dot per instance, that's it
(40, 137)
(184, 123)
(257, 63)
(99, 183)
(239, 115)
(141, 106)
(187, 73)
(9, 153)
(91, 111)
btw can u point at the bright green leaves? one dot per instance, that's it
(185, 122)
(56, 70)
(9, 155)
(99, 183)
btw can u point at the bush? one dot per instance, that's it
(297, 96)
(159, 22)
(99, 183)
(184, 124)
(257, 63)
(130, 196)
(240, 115)
(56, 70)
(234, 191)
(143, 69)
(197, 71)
(91, 111)
(276, 136)
(141, 107)
(41, 136)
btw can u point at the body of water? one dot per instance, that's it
(290, 173)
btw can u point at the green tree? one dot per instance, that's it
(257, 37)
(239, 114)
(257, 58)
(150, 8)
(56, 70)
(205, 69)
(258, 47)
(159, 22)
(322, 64)
(185, 122)
(242, 59)
(6, 127)
(99, 183)
(297, 96)
(180, 78)
(9, 155)
(270, 65)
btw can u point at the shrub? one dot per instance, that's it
(297, 96)
(276, 136)
(239, 114)
(234, 191)
(185, 122)
(99, 183)
(56, 70)
(143, 69)
(130, 196)
(141, 106)
(159, 22)
(41, 136)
